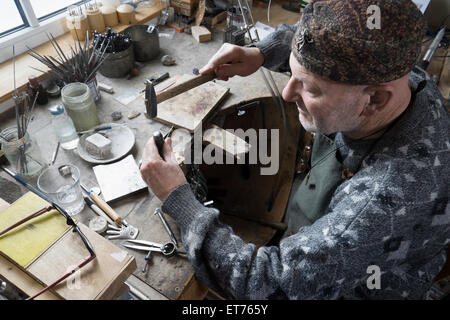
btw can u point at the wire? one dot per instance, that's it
(268, 11)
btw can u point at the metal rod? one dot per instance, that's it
(166, 226)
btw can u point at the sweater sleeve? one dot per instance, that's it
(367, 224)
(276, 48)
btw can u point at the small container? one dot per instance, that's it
(63, 189)
(118, 65)
(63, 127)
(126, 14)
(23, 154)
(110, 16)
(95, 17)
(77, 22)
(145, 43)
(80, 105)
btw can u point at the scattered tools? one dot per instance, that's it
(156, 80)
(151, 104)
(55, 154)
(116, 42)
(166, 226)
(97, 210)
(150, 94)
(152, 99)
(93, 193)
(82, 66)
(103, 205)
(126, 231)
(167, 249)
(147, 258)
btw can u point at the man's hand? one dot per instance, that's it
(233, 60)
(162, 176)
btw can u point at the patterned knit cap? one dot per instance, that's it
(359, 42)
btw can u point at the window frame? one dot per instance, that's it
(25, 22)
(34, 33)
(50, 15)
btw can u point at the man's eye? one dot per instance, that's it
(313, 91)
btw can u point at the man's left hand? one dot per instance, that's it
(162, 176)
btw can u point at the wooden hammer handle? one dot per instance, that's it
(105, 207)
(185, 86)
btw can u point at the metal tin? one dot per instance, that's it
(118, 65)
(146, 44)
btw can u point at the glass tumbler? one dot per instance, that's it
(23, 154)
(63, 187)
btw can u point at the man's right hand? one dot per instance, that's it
(233, 60)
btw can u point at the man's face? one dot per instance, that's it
(324, 106)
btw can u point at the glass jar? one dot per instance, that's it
(80, 106)
(23, 154)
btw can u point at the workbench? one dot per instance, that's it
(171, 278)
(166, 278)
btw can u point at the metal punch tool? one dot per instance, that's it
(167, 249)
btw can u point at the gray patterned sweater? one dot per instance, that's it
(394, 213)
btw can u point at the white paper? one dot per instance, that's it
(119, 179)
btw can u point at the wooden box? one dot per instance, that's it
(185, 7)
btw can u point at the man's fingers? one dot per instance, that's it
(229, 70)
(167, 149)
(150, 152)
(225, 54)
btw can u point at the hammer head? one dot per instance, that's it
(151, 103)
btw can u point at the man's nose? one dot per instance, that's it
(289, 93)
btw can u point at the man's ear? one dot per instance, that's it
(378, 96)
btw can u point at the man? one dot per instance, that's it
(371, 219)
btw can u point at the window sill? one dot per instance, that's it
(24, 62)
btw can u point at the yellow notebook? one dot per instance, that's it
(27, 241)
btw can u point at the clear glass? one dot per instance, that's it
(63, 188)
(24, 155)
(43, 8)
(79, 103)
(9, 16)
(65, 131)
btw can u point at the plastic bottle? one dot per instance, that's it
(63, 127)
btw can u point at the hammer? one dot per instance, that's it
(152, 99)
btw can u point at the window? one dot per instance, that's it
(11, 17)
(26, 23)
(46, 8)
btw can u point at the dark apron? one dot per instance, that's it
(310, 196)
